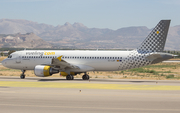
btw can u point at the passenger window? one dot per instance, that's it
(87, 57)
(102, 57)
(115, 57)
(82, 57)
(97, 57)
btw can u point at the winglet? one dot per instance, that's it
(59, 58)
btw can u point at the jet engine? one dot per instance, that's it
(44, 71)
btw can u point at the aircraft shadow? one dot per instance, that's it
(96, 80)
(91, 80)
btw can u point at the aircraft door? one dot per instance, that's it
(18, 58)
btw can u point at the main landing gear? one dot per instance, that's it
(69, 77)
(85, 77)
(23, 75)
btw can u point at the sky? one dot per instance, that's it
(112, 14)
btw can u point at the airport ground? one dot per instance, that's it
(145, 90)
(45, 95)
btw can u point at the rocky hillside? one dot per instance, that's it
(79, 36)
(28, 40)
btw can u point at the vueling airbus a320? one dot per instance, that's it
(70, 63)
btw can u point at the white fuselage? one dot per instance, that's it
(98, 60)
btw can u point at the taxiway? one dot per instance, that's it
(42, 95)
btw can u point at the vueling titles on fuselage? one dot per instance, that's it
(40, 53)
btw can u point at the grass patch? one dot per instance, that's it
(109, 76)
(160, 66)
(124, 76)
(142, 70)
(169, 76)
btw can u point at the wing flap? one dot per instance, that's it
(62, 63)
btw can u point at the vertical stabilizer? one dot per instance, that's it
(155, 41)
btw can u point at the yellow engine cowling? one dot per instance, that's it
(65, 74)
(44, 71)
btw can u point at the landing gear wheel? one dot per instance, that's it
(72, 77)
(85, 77)
(69, 77)
(22, 76)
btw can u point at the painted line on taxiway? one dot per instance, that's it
(87, 85)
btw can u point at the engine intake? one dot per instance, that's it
(44, 71)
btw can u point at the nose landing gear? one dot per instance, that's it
(23, 75)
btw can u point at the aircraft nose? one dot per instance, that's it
(4, 62)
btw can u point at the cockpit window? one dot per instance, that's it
(10, 56)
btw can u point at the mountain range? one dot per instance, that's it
(79, 36)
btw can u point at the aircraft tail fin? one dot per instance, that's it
(155, 41)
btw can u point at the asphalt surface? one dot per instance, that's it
(30, 98)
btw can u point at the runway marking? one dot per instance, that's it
(82, 107)
(87, 85)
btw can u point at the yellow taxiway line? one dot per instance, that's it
(87, 85)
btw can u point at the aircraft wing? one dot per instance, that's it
(61, 64)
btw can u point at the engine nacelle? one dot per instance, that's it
(44, 71)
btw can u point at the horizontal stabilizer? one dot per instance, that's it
(159, 57)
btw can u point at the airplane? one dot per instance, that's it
(72, 62)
